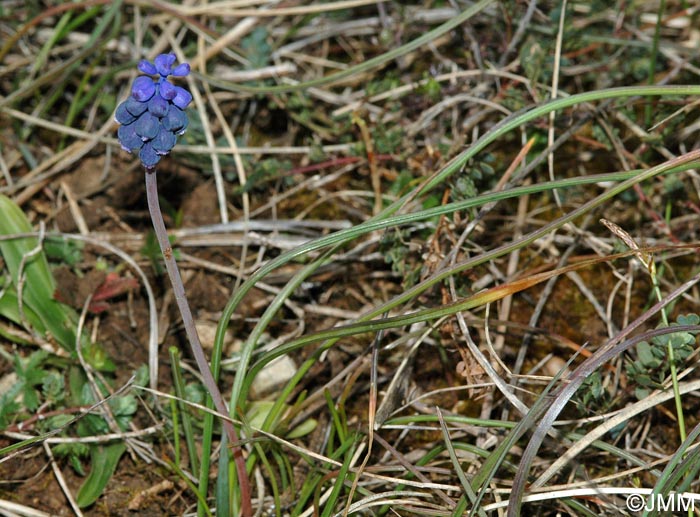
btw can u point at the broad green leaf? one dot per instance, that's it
(104, 462)
(39, 285)
(9, 308)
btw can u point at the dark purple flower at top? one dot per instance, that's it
(147, 67)
(152, 116)
(164, 64)
(181, 70)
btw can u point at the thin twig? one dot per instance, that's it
(62, 481)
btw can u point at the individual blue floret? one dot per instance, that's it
(158, 106)
(182, 98)
(134, 107)
(167, 90)
(148, 126)
(164, 142)
(143, 88)
(175, 121)
(128, 138)
(164, 64)
(147, 67)
(123, 115)
(148, 155)
(152, 116)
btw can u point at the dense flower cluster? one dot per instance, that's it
(153, 115)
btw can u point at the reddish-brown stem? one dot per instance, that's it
(29, 423)
(193, 337)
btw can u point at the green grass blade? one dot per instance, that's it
(466, 486)
(174, 410)
(339, 484)
(187, 427)
(224, 480)
(676, 469)
(55, 37)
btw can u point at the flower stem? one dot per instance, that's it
(193, 337)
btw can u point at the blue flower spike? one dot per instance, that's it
(153, 115)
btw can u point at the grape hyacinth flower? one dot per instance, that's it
(153, 115)
(151, 119)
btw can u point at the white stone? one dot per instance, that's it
(272, 377)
